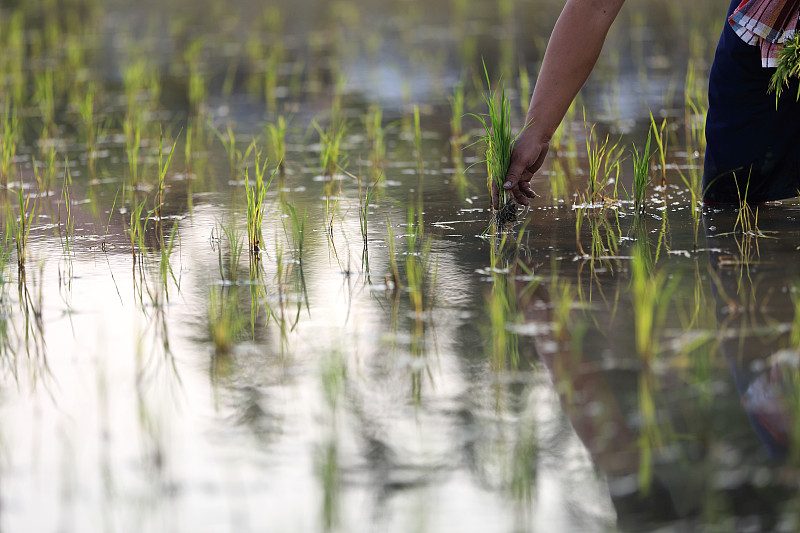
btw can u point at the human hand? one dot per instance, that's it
(526, 158)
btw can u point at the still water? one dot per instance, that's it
(380, 360)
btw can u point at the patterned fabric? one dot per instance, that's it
(766, 23)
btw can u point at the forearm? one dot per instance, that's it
(571, 54)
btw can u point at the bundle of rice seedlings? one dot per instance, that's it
(499, 143)
(788, 66)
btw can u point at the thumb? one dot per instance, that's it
(515, 170)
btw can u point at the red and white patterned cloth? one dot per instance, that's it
(766, 23)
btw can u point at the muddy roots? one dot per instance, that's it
(505, 215)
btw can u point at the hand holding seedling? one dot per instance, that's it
(565, 68)
(526, 158)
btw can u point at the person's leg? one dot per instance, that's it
(751, 144)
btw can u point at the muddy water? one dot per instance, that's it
(594, 371)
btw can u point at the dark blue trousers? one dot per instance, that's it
(751, 144)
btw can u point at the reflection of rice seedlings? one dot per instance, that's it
(328, 472)
(651, 293)
(394, 272)
(224, 318)
(641, 176)
(502, 309)
(255, 202)
(661, 144)
(276, 134)
(499, 143)
(228, 271)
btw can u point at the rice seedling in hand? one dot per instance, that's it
(788, 65)
(499, 142)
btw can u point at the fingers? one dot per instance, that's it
(525, 187)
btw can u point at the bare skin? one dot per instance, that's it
(571, 54)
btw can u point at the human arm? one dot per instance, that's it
(571, 54)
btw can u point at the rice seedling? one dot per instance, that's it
(524, 88)
(692, 183)
(8, 144)
(132, 129)
(235, 156)
(298, 231)
(418, 251)
(197, 90)
(255, 202)
(696, 106)
(418, 141)
(69, 224)
(661, 144)
(276, 134)
(499, 143)
(22, 225)
(393, 278)
(163, 168)
(788, 66)
(44, 96)
(331, 156)
(376, 138)
(641, 175)
(136, 229)
(604, 167)
(274, 60)
(457, 115)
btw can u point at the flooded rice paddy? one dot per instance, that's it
(249, 280)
